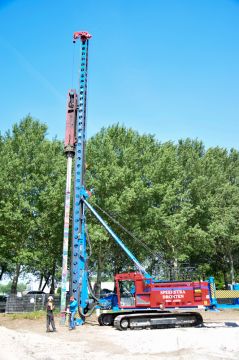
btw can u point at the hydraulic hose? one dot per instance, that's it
(88, 314)
(91, 291)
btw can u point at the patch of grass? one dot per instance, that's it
(34, 315)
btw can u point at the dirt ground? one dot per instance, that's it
(22, 339)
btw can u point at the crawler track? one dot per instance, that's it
(150, 319)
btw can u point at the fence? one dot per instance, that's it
(35, 302)
(227, 297)
(28, 303)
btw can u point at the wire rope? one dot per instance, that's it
(141, 242)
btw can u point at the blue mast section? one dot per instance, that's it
(119, 241)
(79, 254)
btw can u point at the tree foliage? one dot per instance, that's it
(180, 199)
(181, 202)
(32, 197)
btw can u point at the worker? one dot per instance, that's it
(73, 309)
(132, 290)
(49, 315)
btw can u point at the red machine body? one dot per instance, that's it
(136, 291)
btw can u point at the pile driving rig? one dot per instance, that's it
(139, 301)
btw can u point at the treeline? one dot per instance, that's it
(180, 202)
(32, 181)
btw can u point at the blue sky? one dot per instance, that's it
(166, 67)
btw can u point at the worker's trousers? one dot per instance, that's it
(72, 320)
(50, 322)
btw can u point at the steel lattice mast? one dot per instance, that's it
(79, 256)
(75, 140)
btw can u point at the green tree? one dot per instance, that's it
(6, 289)
(181, 199)
(32, 177)
(117, 164)
(223, 170)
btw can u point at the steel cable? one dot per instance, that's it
(130, 234)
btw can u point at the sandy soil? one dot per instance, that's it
(27, 340)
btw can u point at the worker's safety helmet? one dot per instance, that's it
(50, 298)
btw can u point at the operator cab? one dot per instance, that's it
(127, 293)
(133, 290)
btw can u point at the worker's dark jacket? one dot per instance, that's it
(49, 309)
(50, 316)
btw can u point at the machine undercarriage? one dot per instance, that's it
(150, 319)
